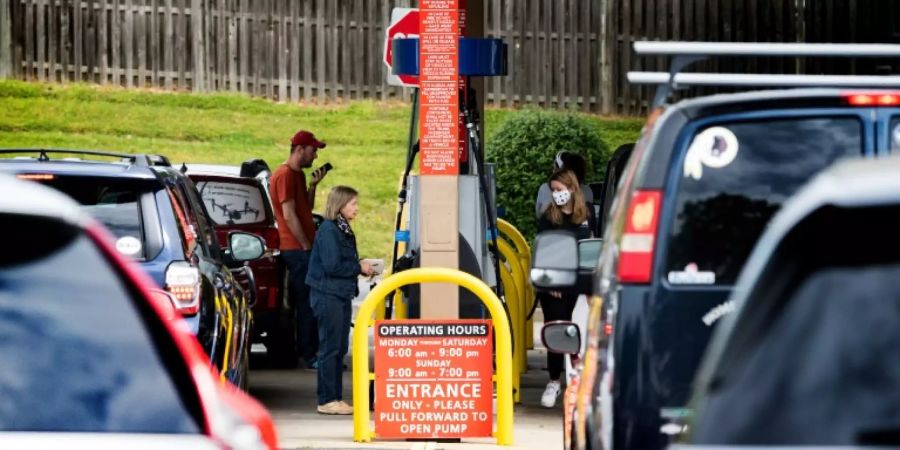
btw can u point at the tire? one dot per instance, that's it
(282, 342)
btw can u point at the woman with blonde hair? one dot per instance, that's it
(568, 211)
(334, 266)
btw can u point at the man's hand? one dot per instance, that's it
(317, 176)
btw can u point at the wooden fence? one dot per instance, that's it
(562, 53)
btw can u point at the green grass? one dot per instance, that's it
(366, 139)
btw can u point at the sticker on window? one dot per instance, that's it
(718, 312)
(232, 203)
(692, 275)
(128, 245)
(714, 147)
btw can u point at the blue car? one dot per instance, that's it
(700, 187)
(159, 220)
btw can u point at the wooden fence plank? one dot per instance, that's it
(307, 50)
(78, 39)
(294, 53)
(282, 51)
(168, 65)
(6, 41)
(511, 81)
(90, 43)
(536, 78)
(154, 40)
(199, 67)
(243, 52)
(334, 48)
(52, 39)
(141, 41)
(40, 40)
(233, 22)
(269, 60)
(128, 47)
(345, 49)
(102, 42)
(63, 36)
(320, 57)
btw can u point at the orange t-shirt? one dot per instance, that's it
(287, 184)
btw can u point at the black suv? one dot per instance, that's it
(158, 219)
(702, 183)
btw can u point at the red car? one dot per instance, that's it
(237, 199)
(94, 354)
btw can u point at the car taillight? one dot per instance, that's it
(639, 239)
(36, 176)
(183, 282)
(872, 98)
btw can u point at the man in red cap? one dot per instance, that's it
(293, 202)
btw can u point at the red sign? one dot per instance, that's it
(439, 87)
(433, 379)
(404, 24)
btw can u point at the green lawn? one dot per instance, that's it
(366, 139)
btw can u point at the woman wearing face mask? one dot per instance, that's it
(570, 212)
(334, 266)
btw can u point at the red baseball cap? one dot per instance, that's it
(305, 138)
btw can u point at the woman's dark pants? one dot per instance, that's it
(333, 314)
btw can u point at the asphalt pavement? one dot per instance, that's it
(290, 396)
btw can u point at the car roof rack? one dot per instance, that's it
(686, 53)
(44, 155)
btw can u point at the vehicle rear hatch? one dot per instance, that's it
(728, 176)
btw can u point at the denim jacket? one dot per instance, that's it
(334, 262)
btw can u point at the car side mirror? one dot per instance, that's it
(245, 246)
(561, 337)
(554, 262)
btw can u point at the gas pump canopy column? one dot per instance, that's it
(442, 59)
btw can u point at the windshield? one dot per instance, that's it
(77, 354)
(735, 177)
(114, 203)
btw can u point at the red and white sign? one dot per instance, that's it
(433, 379)
(439, 87)
(404, 25)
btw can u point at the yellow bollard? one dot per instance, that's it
(515, 318)
(519, 322)
(362, 428)
(524, 251)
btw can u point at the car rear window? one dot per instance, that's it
(114, 203)
(233, 203)
(77, 354)
(734, 178)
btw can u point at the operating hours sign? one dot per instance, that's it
(433, 379)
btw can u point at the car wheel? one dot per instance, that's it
(281, 343)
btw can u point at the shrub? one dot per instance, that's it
(523, 150)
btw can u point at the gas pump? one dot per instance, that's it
(476, 194)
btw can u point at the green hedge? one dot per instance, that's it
(523, 150)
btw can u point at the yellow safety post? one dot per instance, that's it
(516, 317)
(519, 322)
(524, 251)
(362, 429)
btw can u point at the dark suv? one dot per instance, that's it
(159, 220)
(702, 183)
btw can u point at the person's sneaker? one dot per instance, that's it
(335, 408)
(548, 399)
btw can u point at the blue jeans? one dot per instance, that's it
(333, 314)
(297, 262)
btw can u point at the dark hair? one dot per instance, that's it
(575, 163)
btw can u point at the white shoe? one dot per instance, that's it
(548, 399)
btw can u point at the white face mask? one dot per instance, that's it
(561, 197)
